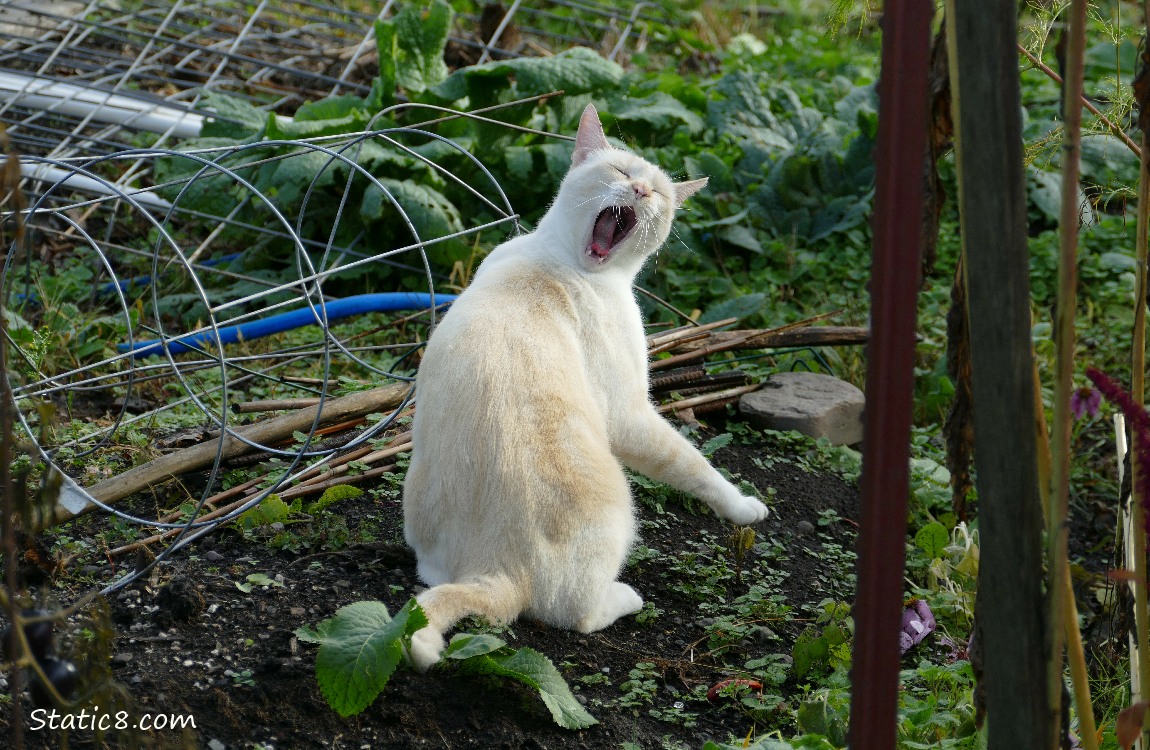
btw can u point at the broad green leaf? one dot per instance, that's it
(287, 180)
(808, 651)
(575, 71)
(839, 215)
(706, 164)
(420, 36)
(234, 118)
(659, 111)
(535, 670)
(286, 128)
(737, 307)
(932, 539)
(387, 46)
(520, 163)
(742, 236)
(1045, 191)
(359, 649)
(431, 215)
(819, 717)
(709, 448)
(467, 645)
(331, 108)
(738, 107)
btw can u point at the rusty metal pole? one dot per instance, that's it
(899, 155)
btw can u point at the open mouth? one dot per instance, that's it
(612, 226)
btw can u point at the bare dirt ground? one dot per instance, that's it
(191, 643)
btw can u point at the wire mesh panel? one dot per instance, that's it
(187, 314)
(165, 278)
(82, 77)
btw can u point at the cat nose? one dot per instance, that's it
(641, 189)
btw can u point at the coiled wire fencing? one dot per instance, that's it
(155, 284)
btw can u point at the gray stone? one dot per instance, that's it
(821, 406)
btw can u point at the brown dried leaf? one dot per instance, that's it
(1128, 727)
(1122, 575)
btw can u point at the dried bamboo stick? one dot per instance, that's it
(652, 351)
(369, 457)
(402, 444)
(281, 404)
(239, 489)
(711, 384)
(681, 332)
(784, 338)
(702, 351)
(172, 532)
(312, 489)
(690, 403)
(346, 458)
(264, 432)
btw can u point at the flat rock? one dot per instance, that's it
(821, 406)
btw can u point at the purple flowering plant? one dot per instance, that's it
(1084, 402)
(1139, 421)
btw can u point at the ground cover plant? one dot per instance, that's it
(745, 638)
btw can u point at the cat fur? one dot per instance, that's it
(531, 397)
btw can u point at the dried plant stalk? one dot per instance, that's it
(691, 403)
(1056, 527)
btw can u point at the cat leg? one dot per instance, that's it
(648, 444)
(496, 598)
(618, 600)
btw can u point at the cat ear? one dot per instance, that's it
(590, 136)
(684, 190)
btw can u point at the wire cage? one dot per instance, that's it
(171, 246)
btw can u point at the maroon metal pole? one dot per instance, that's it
(899, 154)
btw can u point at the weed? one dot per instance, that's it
(640, 687)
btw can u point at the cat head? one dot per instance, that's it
(617, 206)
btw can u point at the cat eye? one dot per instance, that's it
(620, 171)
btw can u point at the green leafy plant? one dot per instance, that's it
(362, 645)
(488, 655)
(825, 645)
(359, 649)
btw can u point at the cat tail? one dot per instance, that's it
(494, 597)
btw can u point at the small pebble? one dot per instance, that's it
(213, 556)
(216, 745)
(121, 659)
(804, 527)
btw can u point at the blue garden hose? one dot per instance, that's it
(333, 310)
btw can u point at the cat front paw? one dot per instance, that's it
(426, 649)
(743, 510)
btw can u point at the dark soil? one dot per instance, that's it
(190, 643)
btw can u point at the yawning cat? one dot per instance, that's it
(532, 396)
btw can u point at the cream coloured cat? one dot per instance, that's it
(531, 397)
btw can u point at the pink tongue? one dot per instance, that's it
(603, 235)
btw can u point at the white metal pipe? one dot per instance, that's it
(80, 101)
